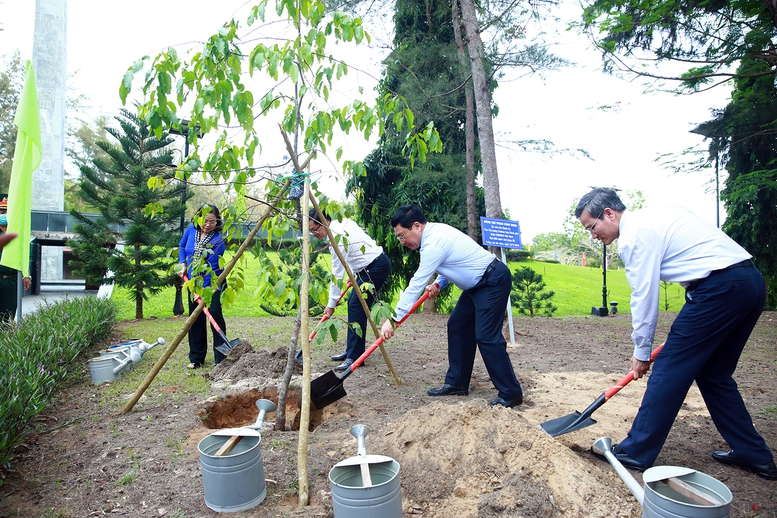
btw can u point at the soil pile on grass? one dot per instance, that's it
(246, 363)
(473, 460)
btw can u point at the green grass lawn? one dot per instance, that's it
(577, 289)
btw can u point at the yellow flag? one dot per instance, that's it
(26, 159)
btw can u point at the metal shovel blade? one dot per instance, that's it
(574, 421)
(566, 424)
(325, 390)
(225, 347)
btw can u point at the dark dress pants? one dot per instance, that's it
(198, 334)
(477, 321)
(376, 273)
(704, 345)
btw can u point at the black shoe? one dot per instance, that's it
(507, 403)
(448, 390)
(298, 356)
(767, 471)
(623, 458)
(345, 365)
(338, 357)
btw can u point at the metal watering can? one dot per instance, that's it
(135, 353)
(672, 491)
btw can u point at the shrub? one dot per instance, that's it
(36, 357)
(528, 295)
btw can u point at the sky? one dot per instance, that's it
(562, 107)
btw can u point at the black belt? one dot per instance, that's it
(741, 264)
(367, 268)
(490, 268)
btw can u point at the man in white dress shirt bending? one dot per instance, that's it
(724, 296)
(478, 317)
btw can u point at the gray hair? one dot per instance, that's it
(597, 200)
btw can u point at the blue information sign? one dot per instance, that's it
(501, 232)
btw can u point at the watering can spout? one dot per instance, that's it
(603, 446)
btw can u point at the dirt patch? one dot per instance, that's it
(458, 456)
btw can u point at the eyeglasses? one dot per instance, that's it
(315, 230)
(401, 236)
(592, 228)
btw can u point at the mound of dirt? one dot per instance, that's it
(473, 460)
(244, 362)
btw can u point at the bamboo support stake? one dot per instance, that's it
(304, 423)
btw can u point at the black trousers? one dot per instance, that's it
(704, 345)
(376, 273)
(198, 334)
(476, 322)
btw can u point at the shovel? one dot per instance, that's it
(227, 345)
(576, 420)
(326, 316)
(328, 388)
(235, 434)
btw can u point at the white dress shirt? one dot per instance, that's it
(358, 249)
(667, 244)
(453, 255)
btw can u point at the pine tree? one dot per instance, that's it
(528, 295)
(144, 220)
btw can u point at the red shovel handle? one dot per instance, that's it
(379, 341)
(326, 317)
(610, 392)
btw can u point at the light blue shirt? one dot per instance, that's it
(667, 244)
(453, 255)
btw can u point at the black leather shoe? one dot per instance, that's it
(623, 458)
(767, 471)
(338, 357)
(509, 403)
(298, 356)
(345, 365)
(448, 390)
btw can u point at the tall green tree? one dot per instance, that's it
(707, 39)
(11, 79)
(144, 220)
(742, 138)
(424, 68)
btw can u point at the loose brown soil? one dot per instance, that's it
(458, 457)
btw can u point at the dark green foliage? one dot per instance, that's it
(38, 356)
(145, 220)
(528, 294)
(424, 68)
(742, 138)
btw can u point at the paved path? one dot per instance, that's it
(30, 303)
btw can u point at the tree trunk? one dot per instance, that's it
(483, 109)
(469, 126)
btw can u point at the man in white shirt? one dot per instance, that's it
(367, 262)
(725, 295)
(478, 317)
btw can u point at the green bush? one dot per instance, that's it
(36, 356)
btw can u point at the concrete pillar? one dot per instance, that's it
(49, 58)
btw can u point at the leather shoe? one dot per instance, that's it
(767, 471)
(448, 390)
(509, 403)
(338, 357)
(623, 458)
(298, 356)
(345, 365)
